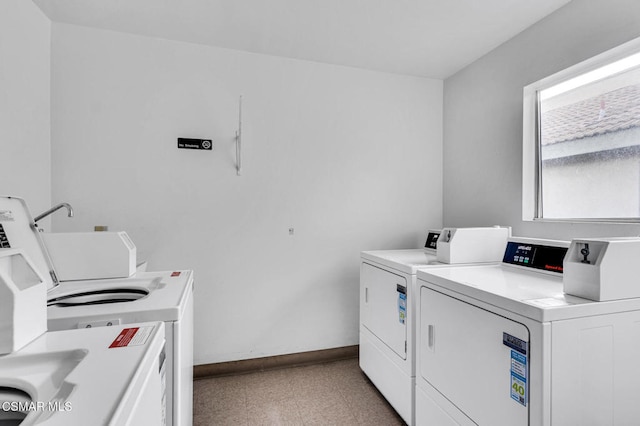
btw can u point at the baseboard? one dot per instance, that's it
(274, 362)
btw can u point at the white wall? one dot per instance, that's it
(24, 103)
(351, 159)
(483, 115)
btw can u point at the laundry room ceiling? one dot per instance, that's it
(427, 38)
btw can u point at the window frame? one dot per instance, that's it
(531, 176)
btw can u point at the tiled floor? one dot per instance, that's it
(335, 393)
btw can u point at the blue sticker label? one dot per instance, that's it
(402, 307)
(519, 377)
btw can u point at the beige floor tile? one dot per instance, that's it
(339, 414)
(268, 386)
(221, 418)
(219, 394)
(312, 401)
(277, 412)
(335, 393)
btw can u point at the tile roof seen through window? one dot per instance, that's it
(606, 113)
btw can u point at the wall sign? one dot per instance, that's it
(205, 144)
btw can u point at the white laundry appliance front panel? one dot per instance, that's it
(475, 358)
(384, 310)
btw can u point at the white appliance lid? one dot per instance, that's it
(18, 230)
(407, 261)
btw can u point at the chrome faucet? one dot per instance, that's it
(53, 209)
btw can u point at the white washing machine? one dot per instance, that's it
(504, 345)
(149, 296)
(146, 296)
(387, 305)
(106, 376)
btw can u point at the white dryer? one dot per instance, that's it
(503, 345)
(149, 296)
(106, 376)
(387, 305)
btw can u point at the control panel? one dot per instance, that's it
(548, 258)
(4, 241)
(432, 240)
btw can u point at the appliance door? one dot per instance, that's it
(384, 307)
(478, 360)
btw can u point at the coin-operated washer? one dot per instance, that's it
(165, 296)
(96, 376)
(518, 343)
(83, 377)
(388, 301)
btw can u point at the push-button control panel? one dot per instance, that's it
(548, 258)
(4, 241)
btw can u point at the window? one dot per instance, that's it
(582, 141)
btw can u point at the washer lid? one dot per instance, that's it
(18, 230)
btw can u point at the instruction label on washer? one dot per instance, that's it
(519, 377)
(134, 336)
(402, 303)
(519, 369)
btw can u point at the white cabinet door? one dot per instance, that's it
(382, 312)
(464, 354)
